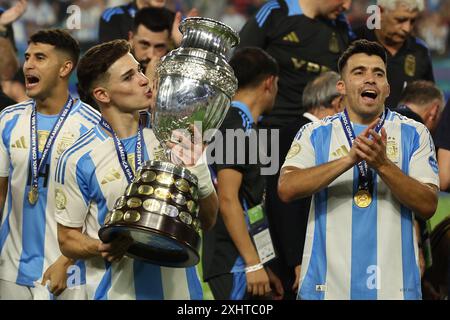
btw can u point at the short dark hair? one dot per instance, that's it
(251, 65)
(154, 19)
(362, 46)
(95, 64)
(61, 40)
(421, 92)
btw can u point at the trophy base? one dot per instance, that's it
(154, 241)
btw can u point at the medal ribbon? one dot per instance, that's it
(121, 152)
(363, 168)
(36, 163)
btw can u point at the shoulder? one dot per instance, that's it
(420, 46)
(109, 13)
(15, 109)
(86, 112)
(274, 8)
(396, 119)
(78, 151)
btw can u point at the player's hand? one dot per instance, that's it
(115, 250)
(13, 13)
(176, 34)
(258, 283)
(372, 148)
(186, 148)
(275, 285)
(55, 277)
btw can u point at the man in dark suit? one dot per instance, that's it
(288, 220)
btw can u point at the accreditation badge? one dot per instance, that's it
(259, 230)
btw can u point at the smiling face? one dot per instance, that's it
(364, 85)
(42, 69)
(127, 87)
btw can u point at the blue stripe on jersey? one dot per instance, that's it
(294, 8)
(411, 277)
(109, 13)
(6, 136)
(239, 286)
(101, 293)
(363, 281)
(195, 288)
(7, 130)
(93, 190)
(5, 112)
(80, 143)
(265, 11)
(33, 238)
(317, 269)
(93, 114)
(145, 286)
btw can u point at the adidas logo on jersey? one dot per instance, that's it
(291, 37)
(340, 152)
(111, 176)
(20, 143)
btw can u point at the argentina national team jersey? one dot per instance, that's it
(28, 239)
(90, 179)
(362, 253)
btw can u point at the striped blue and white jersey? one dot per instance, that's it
(90, 179)
(361, 253)
(28, 236)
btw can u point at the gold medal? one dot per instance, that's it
(33, 195)
(362, 198)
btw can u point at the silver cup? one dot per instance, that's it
(196, 85)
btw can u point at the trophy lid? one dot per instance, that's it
(208, 34)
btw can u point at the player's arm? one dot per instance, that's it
(8, 63)
(228, 185)
(443, 158)
(77, 245)
(295, 183)
(300, 177)
(420, 197)
(73, 186)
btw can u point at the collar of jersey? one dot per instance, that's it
(244, 108)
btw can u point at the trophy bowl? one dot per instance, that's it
(160, 208)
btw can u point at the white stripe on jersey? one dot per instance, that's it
(24, 257)
(90, 175)
(354, 253)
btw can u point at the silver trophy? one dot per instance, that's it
(159, 210)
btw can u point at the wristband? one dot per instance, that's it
(254, 267)
(201, 171)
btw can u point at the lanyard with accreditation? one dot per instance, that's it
(363, 197)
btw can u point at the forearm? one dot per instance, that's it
(444, 168)
(9, 63)
(233, 217)
(208, 211)
(417, 196)
(76, 245)
(295, 183)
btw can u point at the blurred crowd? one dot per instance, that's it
(433, 24)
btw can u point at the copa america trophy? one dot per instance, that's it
(160, 209)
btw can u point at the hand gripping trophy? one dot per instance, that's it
(159, 210)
